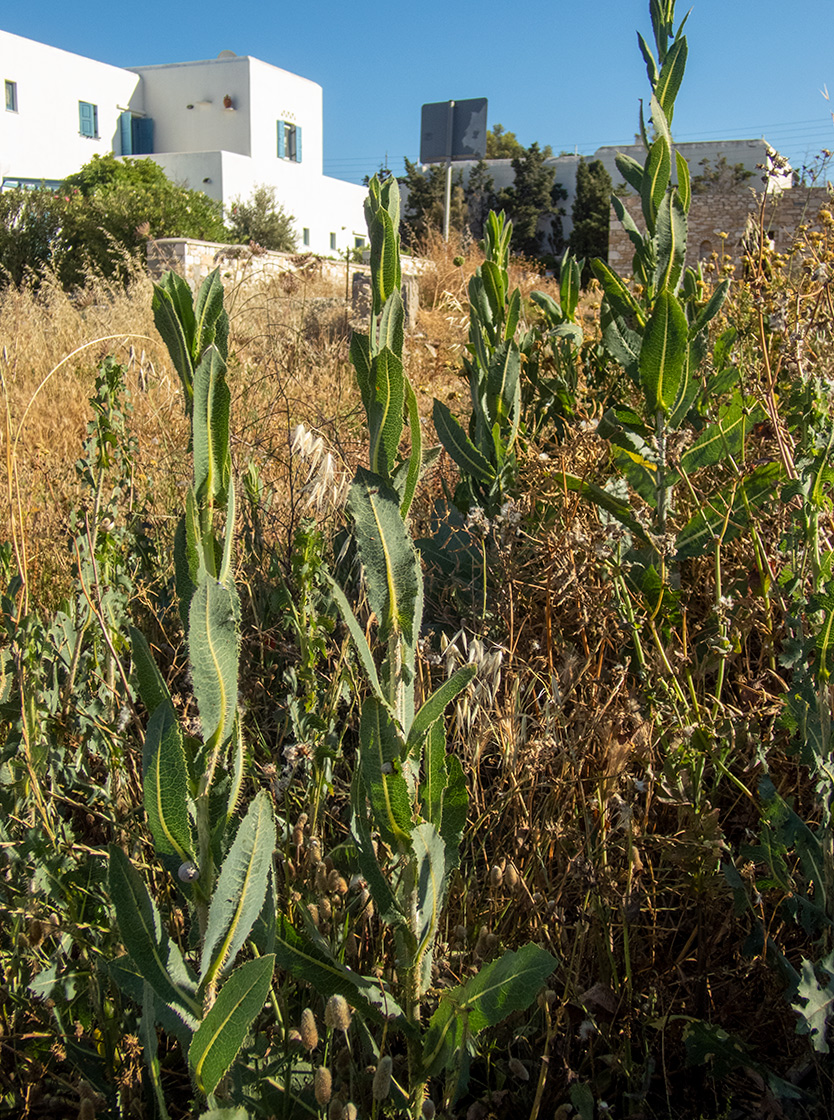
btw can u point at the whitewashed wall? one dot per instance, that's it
(42, 139)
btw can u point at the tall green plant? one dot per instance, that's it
(192, 783)
(407, 789)
(486, 455)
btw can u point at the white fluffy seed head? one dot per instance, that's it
(323, 1085)
(337, 1014)
(382, 1078)
(308, 1030)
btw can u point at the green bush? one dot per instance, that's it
(264, 220)
(102, 216)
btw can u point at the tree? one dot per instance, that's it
(425, 203)
(501, 144)
(534, 195)
(264, 220)
(591, 206)
(723, 176)
(105, 172)
(480, 197)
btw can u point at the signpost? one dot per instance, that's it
(451, 131)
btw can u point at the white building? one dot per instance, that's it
(222, 126)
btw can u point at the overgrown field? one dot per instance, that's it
(429, 723)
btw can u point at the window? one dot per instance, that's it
(11, 97)
(88, 119)
(359, 242)
(289, 141)
(305, 236)
(332, 240)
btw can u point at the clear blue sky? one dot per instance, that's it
(565, 74)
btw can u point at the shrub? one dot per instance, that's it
(264, 220)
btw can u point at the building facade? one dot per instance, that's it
(222, 126)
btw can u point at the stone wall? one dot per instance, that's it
(721, 220)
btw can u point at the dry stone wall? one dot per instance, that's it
(722, 221)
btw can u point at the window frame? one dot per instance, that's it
(289, 141)
(11, 101)
(305, 236)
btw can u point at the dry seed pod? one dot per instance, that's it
(323, 1085)
(496, 877)
(294, 1038)
(518, 1069)
(481, 944)
(87, 1110)
(349, 1112)
(35, 931)
(298, 837)
(315, 849)
(320, 879)
(308, 1030)
(337, 1014)
(351, 946)
(335, 1111)
(313, 911)
(325, 909)
(382, 1078)
(511, 876)
(328, 863)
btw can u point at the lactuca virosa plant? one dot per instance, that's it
(486, 455)
(221, 864)
(408, 795)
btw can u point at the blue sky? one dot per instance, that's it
(568, 75)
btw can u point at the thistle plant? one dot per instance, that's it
(222, 865)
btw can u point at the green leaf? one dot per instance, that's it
(380, 752)
(663, 353)
(509, 984)
(392, 570)
(391, 320)
(631, 171)
(620, 298)
(569, 284)
(684, 183)
(226, 1114)
(213, 654)
(165, 786)
(656, 179)
(430, 856)
(384, 258)
(157, 957)
(710, 308)
(713, 522)
(503, 383)
(360, 356)
(460, 447)
(454, 806)
(619, 509)
(513, 313)
(328, 977)
(385, 419)
(211, 428)
(208, 310)
(435, 705)
(435, 774)
(493, 281)
(620, 341)
(382, 893)
(725, 437)
(149, 681)
(130, 982)
(218, 1039)
(648, 58)
(173, 313)
(671, 242)
(814, 1002)
(358, 635)
(415, 458)
(671, 76)
(241, 888)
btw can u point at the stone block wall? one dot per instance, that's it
(720, 221)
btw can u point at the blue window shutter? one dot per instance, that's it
(281, 144)
(87, 119)
(298, 143)
(142, 136)
(126, 134)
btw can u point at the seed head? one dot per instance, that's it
(308, 1030)
(382, 1078)
(496, 877)
(337, 1014)
(511, 876)
(87, 1110)
(336, 1110)
(349, 1112)
(518, 1069)
(323, 1085)
(428, 1109)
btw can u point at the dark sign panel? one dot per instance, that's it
(464, 123)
